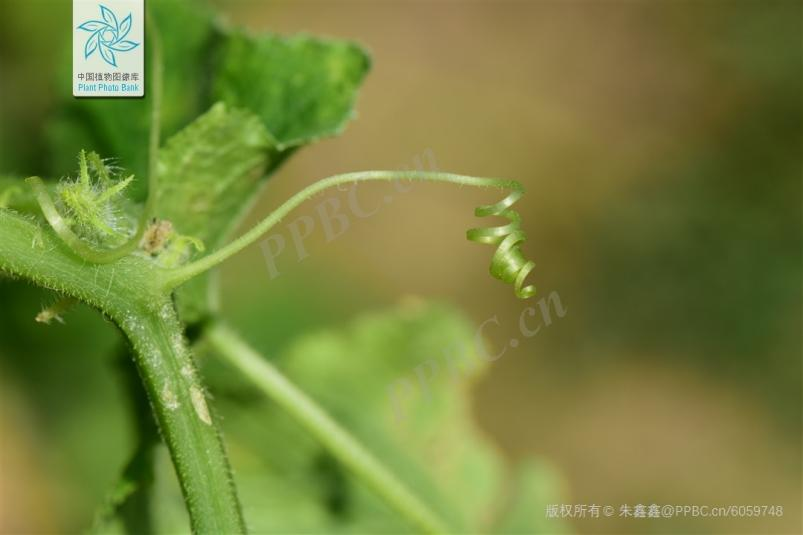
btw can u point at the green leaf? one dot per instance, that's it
(208, 172)
(437, 449)
(303, 88)
(127, 508)
(160, 507)
(429, 438)
(130, 493)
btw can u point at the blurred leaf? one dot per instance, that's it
(435, 447)
(168, 507)
(536, 485)
(303, 88)
(128, 507)
(16, 194)
(134, 484)
(288, 483)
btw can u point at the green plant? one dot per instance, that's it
(138, 254)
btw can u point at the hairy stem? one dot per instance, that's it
(179, 403)
(340, 444)
(128, 292)
(182, 274)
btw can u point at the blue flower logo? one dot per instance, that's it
(108, 36)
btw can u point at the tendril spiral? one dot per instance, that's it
(508, 263)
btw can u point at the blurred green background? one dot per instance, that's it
(660, 146)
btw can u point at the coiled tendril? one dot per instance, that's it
(508, 263)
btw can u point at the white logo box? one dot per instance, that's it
(108, 48)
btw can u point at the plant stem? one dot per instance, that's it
(128, 291)
(182, 274)
(180, 406)
(317, 422)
